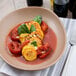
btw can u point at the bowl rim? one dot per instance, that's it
(17, 67)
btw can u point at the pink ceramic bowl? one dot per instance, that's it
(26, 14)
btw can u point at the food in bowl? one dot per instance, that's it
(32, 40)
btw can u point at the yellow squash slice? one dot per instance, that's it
(29, 53)
(38, 33)
(37, 26)
(23, 37)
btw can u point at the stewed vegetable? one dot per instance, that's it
(27, 40)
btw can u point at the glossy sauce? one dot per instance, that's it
(50, 38)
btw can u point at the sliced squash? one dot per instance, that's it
(37, 26)
(24, 37)
(40, 34)
(29, 53)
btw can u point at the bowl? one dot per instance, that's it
(26, 14)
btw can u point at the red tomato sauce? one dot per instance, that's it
(50, 38)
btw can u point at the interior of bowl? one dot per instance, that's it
(27, 14)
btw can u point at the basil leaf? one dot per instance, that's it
(32, 28)
(20, 31)
(38, 19)
(26, 28)
(34, 43)
(23, 29)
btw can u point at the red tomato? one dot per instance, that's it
(24, 43)
(14, 34)
(43, 51)
(46, 53)
(44, 26)
(15, 47)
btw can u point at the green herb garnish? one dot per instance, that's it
(34, 43)
(38, 19)
(32, 28)
(23, 29)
